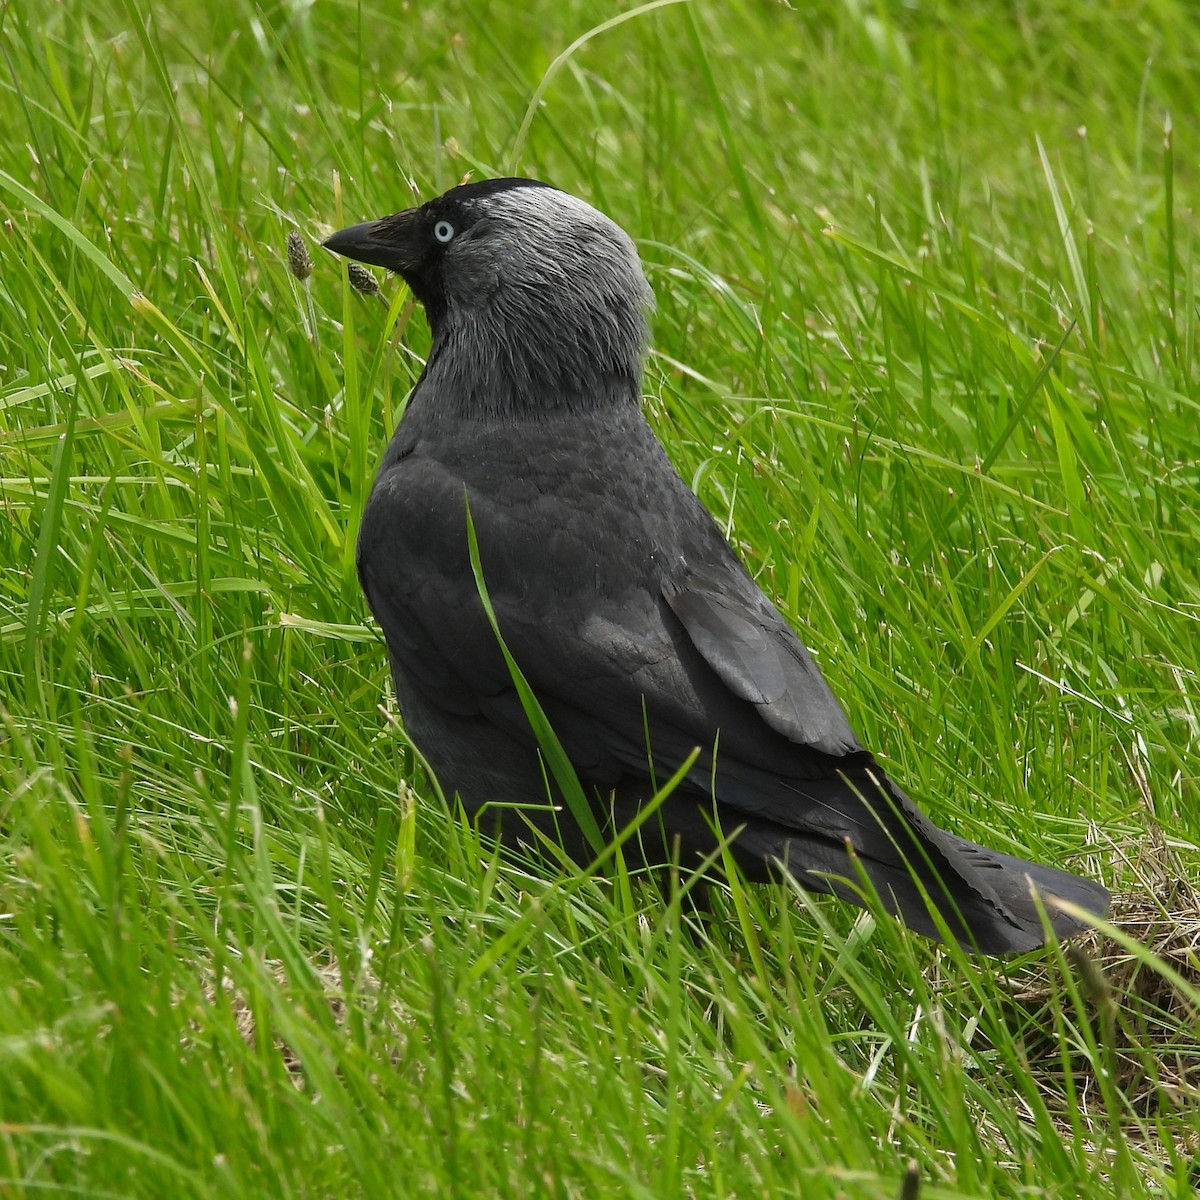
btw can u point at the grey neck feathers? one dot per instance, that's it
(522, 359)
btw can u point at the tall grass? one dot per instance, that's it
(926, 342)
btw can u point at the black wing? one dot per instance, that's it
(605, 617)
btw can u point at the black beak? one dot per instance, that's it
(393, 242)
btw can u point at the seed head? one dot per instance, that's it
(361, 280)
(298, 260)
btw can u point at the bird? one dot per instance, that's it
(641, 633)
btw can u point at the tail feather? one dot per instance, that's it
(987, 901)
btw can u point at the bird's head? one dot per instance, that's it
(535, 299)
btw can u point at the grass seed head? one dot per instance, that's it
(361, 280)
(298, 259)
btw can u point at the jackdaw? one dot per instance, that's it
(635, 624)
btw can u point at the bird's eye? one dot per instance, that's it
(443, 231)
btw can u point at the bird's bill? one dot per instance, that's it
(390, 242)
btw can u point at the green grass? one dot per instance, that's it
(927, 340)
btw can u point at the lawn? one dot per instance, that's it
(926, 342)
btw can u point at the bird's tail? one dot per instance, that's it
(987, 901)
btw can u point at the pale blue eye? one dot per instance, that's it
(443, 231)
